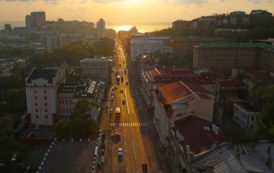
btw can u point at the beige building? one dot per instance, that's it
(96, 68)
(41, 89)
(177, 100)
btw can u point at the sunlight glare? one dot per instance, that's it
(122, 28)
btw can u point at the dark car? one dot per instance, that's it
(144, 168)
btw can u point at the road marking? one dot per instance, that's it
(127, 101)
(134, 152)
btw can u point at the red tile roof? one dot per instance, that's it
(178, 90)
(174, 91)
(192, 129)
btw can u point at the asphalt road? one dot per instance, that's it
(130, 127)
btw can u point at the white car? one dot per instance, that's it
(111, 110)
(120, 152)
(13, 157)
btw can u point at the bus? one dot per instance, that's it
(118, 79)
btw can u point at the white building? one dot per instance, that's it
(245, 115)
(41, 90)
(147, 45)
(96, 68)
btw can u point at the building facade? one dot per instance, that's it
(96, 68)
(41, 90)
(177, 100)
(36, 19)
(226, 56)
(140, 45)
(245, 115)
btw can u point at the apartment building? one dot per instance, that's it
(139, 45)
(188, 137)
(41, 89)
(245, 115)
(68, 95)
(226, 56)
(157, 76)
(178, 100)
(96, 68)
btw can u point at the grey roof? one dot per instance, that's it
(47, 74)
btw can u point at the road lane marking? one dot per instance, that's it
(127, 101)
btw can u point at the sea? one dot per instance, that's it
(148, 27)
(142, 28)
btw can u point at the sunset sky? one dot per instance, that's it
(127, 11)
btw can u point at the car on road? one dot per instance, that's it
(121, 91)
(127, 83)
(120, 152)
(13, 157)
(111, 110)
(123, 101)
(144, 167)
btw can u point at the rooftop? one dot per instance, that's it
(47, 74)
(84, 89)
(233, 45)
(174, 91)
(199, 139)
(247, 107)
(102, 59)
(237, 158)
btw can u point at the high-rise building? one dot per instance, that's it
(35, 19)
(41, 90)
(101, 25)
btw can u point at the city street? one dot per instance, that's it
(127, 124)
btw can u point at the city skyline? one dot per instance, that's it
(127, 12)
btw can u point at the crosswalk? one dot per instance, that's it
(128, 124)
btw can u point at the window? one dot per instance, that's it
(45, 91)
(45, 97)
(46, 110)
(35, 97)
(36, 116)
(46, 116)
(46, 103)
(35, 91)
(36, 110)
(36, 104)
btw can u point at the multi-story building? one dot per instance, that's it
(188, 137)
(236, 158)
(155, 77)
(36, 19)
(226, 56)
(101, 26)
(41, 90)
(69, 94)
(139, 45)
(228, 89)
(245, 115)
(177, 100)
(96, 68)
